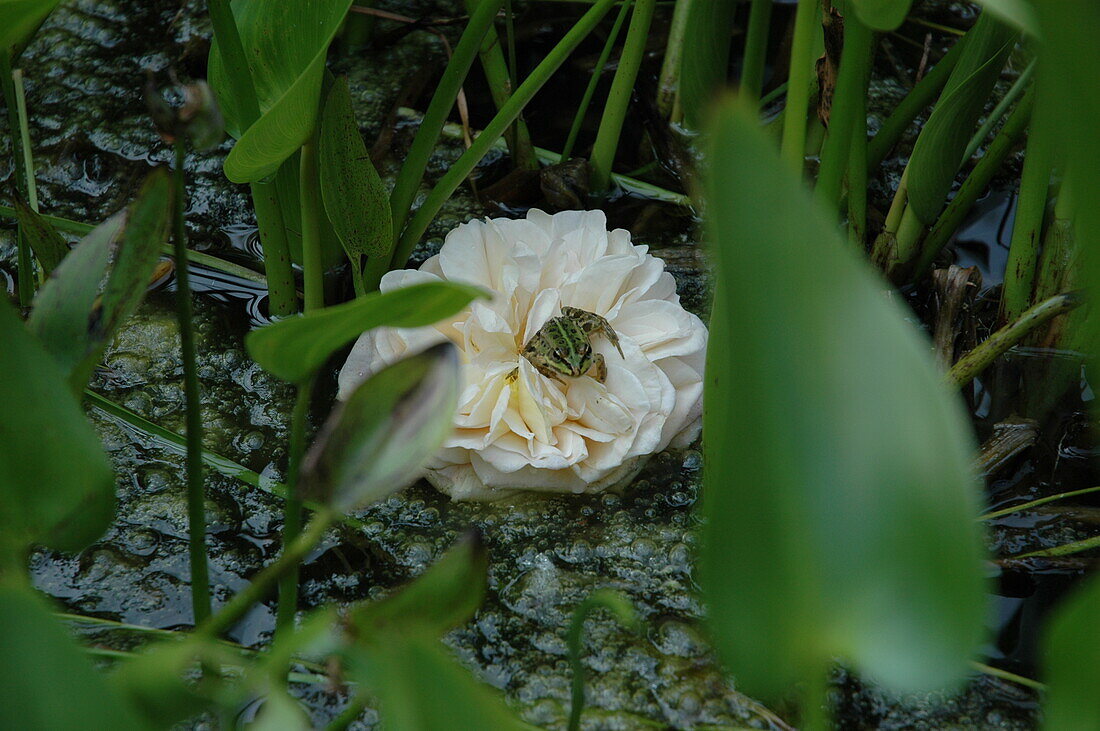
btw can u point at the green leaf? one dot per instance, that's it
(48, 245)
(377, 441)
(1071, 655)
(422, 688)
(882, 15)
(840, 501)
(444, 596)
(49, 683)
(73, 326)
(1019, 13)
(56, 486)
(938, 152)
(19, 20)
(703, 70)
(355, 200)
(295, 348)
(286, 43)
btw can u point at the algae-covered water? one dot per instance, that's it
(93, 143)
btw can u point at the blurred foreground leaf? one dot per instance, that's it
(881, 14)
(48, 682)
(286, 44)
(706, 56)
(295, 348)
(73, 321)
(840, 500)
(1071, 656)
(19, 20)
(48, 246)
(56, 486)
(1019, 13)
(377, 441)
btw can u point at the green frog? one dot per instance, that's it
(562, 346)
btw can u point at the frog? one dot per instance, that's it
(562, 347)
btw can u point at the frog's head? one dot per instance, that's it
(569, 351)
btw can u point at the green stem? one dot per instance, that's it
(756, 48)
(352, 711)
(600, 599)
(597, 72)
(484, 142)
(292, 509)
(916, 101)
(816, 710)
(196, 507)
(1066, 549)
(978, 359)
(851, 90)
(282, 297)
(618, 98)
(806, 22)
(1027, 230)
(975, 184)
(857, 178)
(288, 560)
(25, 140)
(25, 261)
(1036, 503)
(416, 161)
(518, 137)
(1011, 677)
(282, 294)
(313, 265)
(1011, 97)
(668, 83)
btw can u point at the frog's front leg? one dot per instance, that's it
(599, 368)
(590, 322)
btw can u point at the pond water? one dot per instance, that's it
(93, 143)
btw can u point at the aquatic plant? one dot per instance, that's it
(517, 428)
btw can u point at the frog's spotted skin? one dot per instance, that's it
(563, 348)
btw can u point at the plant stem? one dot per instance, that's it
(600, 599)
(851, 91)
(597, 72)
(1014, 93)
(793, 147)
(975, 184)
(292, 508)
(1036, 503)
(416, 161)
(1027, 229)
(196, 507)
(756, 48)
(25, 140)
(916, 101)
(288, 560)
(282, 297)
(469, 159)
(618, 98)
(518, 137)
(857, 178)
(355, 707)
(25, 261)
(978, 359)
(313, 266)
(668, 83)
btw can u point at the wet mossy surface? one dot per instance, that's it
(93, 145)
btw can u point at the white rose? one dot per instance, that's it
(533, 432)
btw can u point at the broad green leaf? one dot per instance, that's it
(56, 486)
(286, 43)
(377, 441)
(840, 501)
(706, 56)
(295, 348)
(19, 20)
(355, 200)
(1071, 655)
(49, 683)
(444, 596)
(48, 245)
(938, 152)
(67, 317)
(882, 14)
(420, 687)
(1019, 13)
(280, 712)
